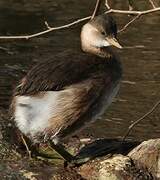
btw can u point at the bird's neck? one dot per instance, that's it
(104, 52)
(111, 59)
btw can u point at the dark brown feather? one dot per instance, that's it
(88, 77)
(59, 72)
(76, 102)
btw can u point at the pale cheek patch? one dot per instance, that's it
(91, 37)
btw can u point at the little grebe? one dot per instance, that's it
(62, 95)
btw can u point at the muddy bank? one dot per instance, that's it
(109, 159)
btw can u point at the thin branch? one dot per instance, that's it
(129, 23)
(46, 31)
(140, 119)
(79, 21)
(133, 12)
(96, 9)
(152, 3)
(107, 4)
(130, 2)
(27, 148)
(47, 25)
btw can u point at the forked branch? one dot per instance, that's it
(96, 8)
(152, 4)
(107, 5)
(129, 23)
(50, 29)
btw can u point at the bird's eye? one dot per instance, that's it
(103, 33)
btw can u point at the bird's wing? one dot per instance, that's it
(76, 102)
(54, 75)
(75, 85)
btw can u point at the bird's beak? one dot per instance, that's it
(113, 42)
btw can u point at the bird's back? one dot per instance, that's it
(58, 96)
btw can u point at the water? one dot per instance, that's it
(140, 88)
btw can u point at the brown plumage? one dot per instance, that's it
(61, 95)
(54, 74)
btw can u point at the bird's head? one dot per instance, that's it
(99, 32)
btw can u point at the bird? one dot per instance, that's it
(62, 95)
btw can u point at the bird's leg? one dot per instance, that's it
(30, 149)
(33, 150)
(72, 160)
(59, 148)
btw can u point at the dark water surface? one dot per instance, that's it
(140, 88)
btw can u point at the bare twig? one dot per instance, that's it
(46, 31)
(130, 2)
(152, 3)
(129, 23)
(107, 4)
(133, 12)
(140, 119)
(49, 29)
(47, 25)
(27, 148)
(96, 9)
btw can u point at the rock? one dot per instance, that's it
(141, 163)
(147, 156)
(109, 160)
(118, 167)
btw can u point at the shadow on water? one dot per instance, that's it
(140, 88)
(102, 147)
